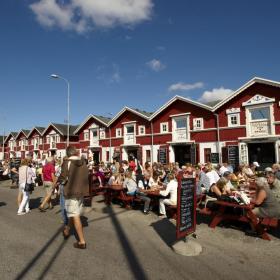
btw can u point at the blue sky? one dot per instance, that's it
(141, 55)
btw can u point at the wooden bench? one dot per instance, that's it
(172, 211)
(270, 222)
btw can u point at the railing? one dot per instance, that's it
(53, 145)
(260, 128)
(129, 139)
(94, 142)
(179, 135)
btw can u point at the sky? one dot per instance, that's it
(136, 53)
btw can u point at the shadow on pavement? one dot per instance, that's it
(3, 204)
(134, 264)
(33, 261)
(35, 202)
(166, 230)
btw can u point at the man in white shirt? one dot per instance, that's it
(223, 169)
(172, 190)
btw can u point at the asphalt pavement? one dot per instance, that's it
(124, 244)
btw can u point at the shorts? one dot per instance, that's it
(48, 186)
(73, 207)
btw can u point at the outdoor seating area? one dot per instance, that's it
(234, 205)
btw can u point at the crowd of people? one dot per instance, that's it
(68, 180)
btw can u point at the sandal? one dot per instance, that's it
(65, 234)
(80, 245)
(41, 209)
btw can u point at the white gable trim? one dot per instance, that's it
(184, 99)
(242, 88)
(258, 99)
(86, 120)
(124, 110)
(54, 128)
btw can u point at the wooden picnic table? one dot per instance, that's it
(247, 216)
(112, 191)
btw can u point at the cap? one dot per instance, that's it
(256, 164)
(268, 169)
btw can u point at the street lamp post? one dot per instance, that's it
(55, 76)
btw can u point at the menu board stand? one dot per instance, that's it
(186, 218)
(186, 207)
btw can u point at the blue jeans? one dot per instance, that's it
(62, 206)
(131, 193)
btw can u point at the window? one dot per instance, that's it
(57, 139)
(260, 113)
(197, 123)
(118, 132)
(107, 156)
(207, 155)
(94, 133)
(164, 127)
(86, 135)
(130, 129)
(233, 120)
(181, 123)
(32, 141)
(141, 130)
(102, 133)
(148, 155)
(48, 140)
(41, 141)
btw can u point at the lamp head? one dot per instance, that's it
(54, 76)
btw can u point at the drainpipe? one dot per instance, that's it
(110, 141)
(218, 136)
(152, 137)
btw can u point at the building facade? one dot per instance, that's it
(245, 127)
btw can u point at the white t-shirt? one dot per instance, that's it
(172, 190)
(222, 170)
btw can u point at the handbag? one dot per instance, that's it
(28, 187)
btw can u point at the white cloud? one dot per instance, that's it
(185, 87)
(215, 94)
(109, 73)
(156, 65)
(84, 15)
(116, 77)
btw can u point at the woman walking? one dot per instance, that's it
(26, 175)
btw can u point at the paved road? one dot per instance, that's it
(123, 244)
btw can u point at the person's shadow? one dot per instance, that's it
(35, 202)
(3, 204)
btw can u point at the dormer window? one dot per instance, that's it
(198, 123)
(233, 117)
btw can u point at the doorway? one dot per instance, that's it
(132, 151)
(263, 153)
(182, 154)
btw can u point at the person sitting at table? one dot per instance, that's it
(143, 184)
(265, 202)
(274, 185)
(227, 176)
(218, 189)
(129, 183)
(98, 176)
(115, 179)
(171, 189)
(154, 180)
(211, 177)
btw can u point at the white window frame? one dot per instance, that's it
(102, 133)
(57, 139)
(118, 132)
(140, 127)
(195, 127)
(161, 127)
(48, 139)
(86, 135)
(237, 115)
(40, 141)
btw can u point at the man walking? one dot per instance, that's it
(74, 177)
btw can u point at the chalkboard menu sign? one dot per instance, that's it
(162, 155)
(233, 156)
(214, 157)
(186, 207)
